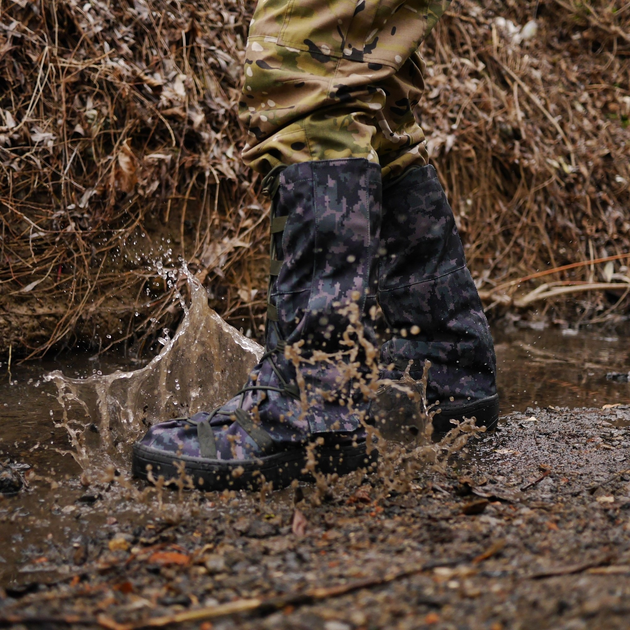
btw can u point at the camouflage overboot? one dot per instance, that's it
(297, 405)
(431, 304)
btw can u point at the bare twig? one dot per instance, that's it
(268, 606)
(597, 486)
(571, 569)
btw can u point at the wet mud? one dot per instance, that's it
(526, 527)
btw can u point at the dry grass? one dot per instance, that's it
(119, 128)
(119, 145)
(530, 138)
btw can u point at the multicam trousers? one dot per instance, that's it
(328, 79)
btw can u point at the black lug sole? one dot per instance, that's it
(485, 412)
(279, 469)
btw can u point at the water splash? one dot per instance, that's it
(201, 367)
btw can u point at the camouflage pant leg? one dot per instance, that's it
(329, 79)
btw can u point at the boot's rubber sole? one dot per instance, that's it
(399, 418)
(280, 468)
(485, 412)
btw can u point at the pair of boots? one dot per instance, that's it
(338, 244)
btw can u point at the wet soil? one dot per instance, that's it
(526, 527)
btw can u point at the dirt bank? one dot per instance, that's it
(115, 124)
(528, 528)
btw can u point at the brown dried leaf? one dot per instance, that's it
(125, 171)
(475, 507)
(166, 558)
(299, 524)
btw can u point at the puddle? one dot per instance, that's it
(66, 417)
(552, 368)
(536, 369)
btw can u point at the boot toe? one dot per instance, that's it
(171, 450)
(173, 437)
(485, 411)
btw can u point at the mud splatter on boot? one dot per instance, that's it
(430, 302)
(325, 227)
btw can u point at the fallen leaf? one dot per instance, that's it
(124, 587)
(475, 507)
(611, 570)
(491, 551)
(8, 119)
(169, 557)
(300, 523)
(247, 295)
(496, 493)
(507, 451)
(38, 136)
(110, 624)
(32, 285)
(118, 544)
(215, 254)
(609, 270)
(362, 495)
(125, 172)
(605, 499)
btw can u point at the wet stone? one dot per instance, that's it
(10, 480)
(215, 564)
(89, 498)
(262, 529)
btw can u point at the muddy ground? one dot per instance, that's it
(528, 528)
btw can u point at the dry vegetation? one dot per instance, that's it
(119, 145)
(533, 149)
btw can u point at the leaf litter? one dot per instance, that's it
(475, 543)
(120, 141)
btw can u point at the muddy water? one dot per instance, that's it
(201, 366)
(536, 369)
(553, 368)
